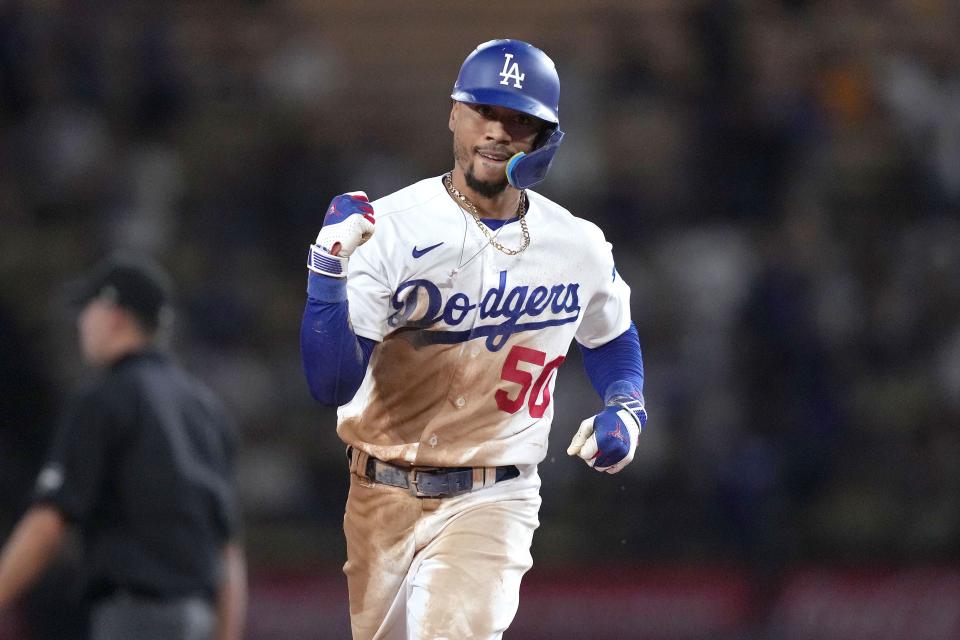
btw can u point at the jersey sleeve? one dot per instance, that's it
(607, 313)
(73, 474)
(368, 289)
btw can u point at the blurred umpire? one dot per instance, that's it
(142, 465)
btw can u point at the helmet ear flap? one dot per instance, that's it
(544, 135)
(527, 169)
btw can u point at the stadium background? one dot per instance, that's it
(781, 182)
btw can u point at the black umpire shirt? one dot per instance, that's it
(143, 464)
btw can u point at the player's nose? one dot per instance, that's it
(497, 131)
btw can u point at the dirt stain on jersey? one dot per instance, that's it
(436, 405)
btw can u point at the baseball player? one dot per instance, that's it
(439, 338)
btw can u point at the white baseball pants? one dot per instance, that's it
(426, 569)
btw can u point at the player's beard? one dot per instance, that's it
(485, 189)
(480, 187)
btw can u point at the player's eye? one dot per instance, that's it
(484, 110)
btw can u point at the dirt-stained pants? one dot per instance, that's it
(420, 568)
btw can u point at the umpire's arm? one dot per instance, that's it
(34, 543)
(232, 596)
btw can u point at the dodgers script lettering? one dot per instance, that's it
(420, 303)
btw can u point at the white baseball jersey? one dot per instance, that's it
(471, 338)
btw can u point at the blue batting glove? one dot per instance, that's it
(607, 441)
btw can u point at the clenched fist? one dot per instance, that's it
(347, 224)
(608, 440)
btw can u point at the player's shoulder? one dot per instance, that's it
(560, 215)
(412, 198)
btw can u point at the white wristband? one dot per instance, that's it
(319, 261)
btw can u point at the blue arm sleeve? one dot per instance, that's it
(616, 368)
(334, 358)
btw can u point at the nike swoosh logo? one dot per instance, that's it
(419, 252)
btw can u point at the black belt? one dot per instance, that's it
(436, 482)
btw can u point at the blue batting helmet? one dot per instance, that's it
(512, 74)
(516, 75)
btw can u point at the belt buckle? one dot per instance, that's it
(415, 484)
(449, 478)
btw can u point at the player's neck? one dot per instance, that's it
(502, 206)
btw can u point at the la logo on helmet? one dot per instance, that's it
(511, 71)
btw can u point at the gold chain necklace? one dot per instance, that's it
(492, 238)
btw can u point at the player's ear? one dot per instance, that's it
(453, 115)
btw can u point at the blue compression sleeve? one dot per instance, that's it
(618, 361)
(334, 358)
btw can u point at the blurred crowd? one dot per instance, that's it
(780, 181)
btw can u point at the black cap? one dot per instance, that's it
(140, 286)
